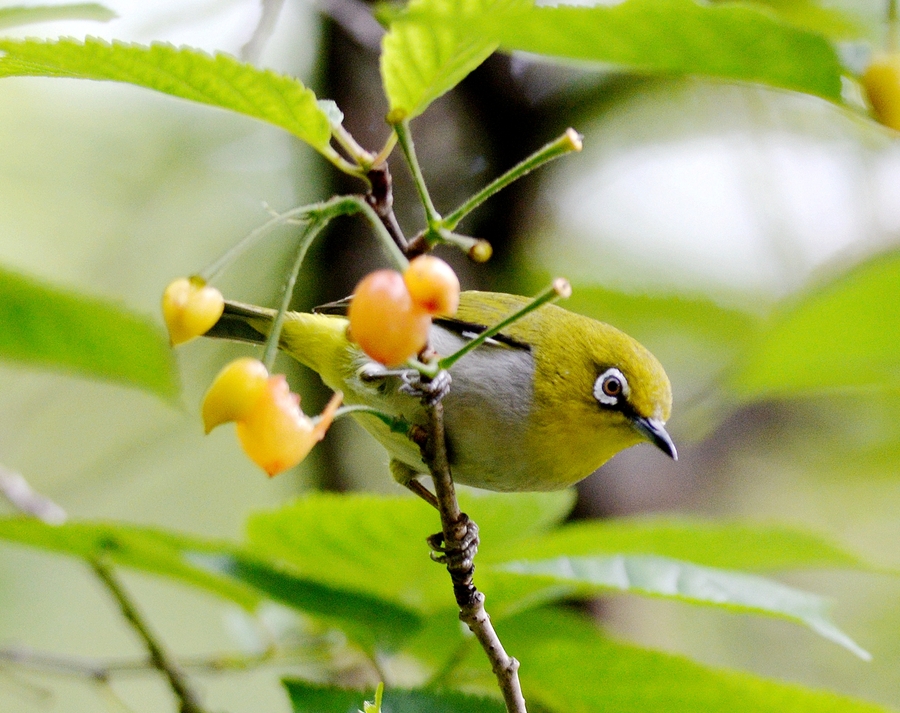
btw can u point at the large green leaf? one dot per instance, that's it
(20, 15)
(728, 545)
(309, 698)
(840, 336)
(567, 665)
(813, 16)
(220, 81)
(44, 326)
(728, 41)
(377, 544)
(421, 60)
(222, 569)
(664, 577)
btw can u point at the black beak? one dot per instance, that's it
(655, 432)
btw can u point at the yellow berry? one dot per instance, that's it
(275, 433)
(882, 84)
(234, 391)
(384, 321)
(190, 307)
(433, 285)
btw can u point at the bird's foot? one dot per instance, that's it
(456, 554)
(430, 391)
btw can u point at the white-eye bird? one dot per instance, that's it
(538, 407)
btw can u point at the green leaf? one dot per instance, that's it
(728, 545)
(421, 60)
(377, 544)
(727, 41)
(664, 577)
(44, 326)
(18, 15)
(840, 336)
(221, 569)
(812, 16)
(309, 698)
(219, 80)
(578, 670)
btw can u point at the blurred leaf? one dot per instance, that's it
(660, 576)
(812, 16)
(420, 61)
(578, 670)
(14, 16)
(842, 335)
(308, 698)
(43, 326)
(714, 544)
(728, 41)
(220, 81)
(377, 544)
(219, 568)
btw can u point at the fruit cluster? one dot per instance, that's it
(390, 313)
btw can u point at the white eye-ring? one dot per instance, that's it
(611, 387)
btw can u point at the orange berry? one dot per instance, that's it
(433, 285)
(190, 307)
(882, 84)
(234, 391)
(275, 433)
(384, 321)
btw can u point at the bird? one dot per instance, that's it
(538, 407)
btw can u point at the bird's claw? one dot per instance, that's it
(429, 391)
(458, 554)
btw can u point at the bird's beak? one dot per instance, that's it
(655, 432)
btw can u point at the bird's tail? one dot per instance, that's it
(316, 340)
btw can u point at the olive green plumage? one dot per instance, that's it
(540, 410)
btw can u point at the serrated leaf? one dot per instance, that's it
(838, 336)
(46, 327)
(424, 55)
(20, 15)
(578, 670)
(221, 80)
(221, 569)
(664, 577)
(310, 698)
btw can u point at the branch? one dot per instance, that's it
(271, 9)
(456, 527)
(190, 702)
(27, 500)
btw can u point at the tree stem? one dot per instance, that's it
(189, 701)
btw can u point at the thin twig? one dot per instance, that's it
(189, 701)
(271, 9)
(454, 526)
(26, 499)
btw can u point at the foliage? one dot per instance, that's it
(358, 564)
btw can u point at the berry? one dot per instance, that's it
(384, 321)
(882, 84)
(234, 392)
(433, 285)
(190, 307)
(275, 433)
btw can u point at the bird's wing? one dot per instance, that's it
(462, 324)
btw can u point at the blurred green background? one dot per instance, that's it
(695, 210)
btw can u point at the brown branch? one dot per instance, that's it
(189, 701)
(381, 198)
(455, 527)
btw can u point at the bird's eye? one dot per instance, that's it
(610, 387)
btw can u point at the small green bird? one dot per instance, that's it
(538, 407)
